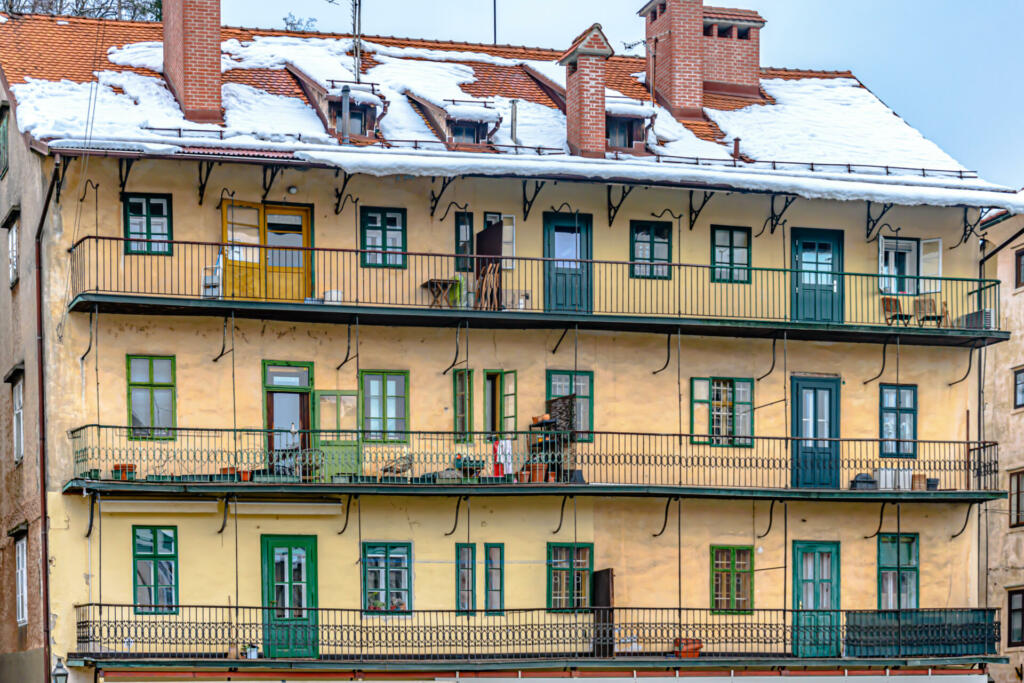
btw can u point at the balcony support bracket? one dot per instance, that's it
(460, 207)
(774, 219)
(967, 518)
(92, 512)
(873, 224)
(561, 515)
(224, 350)
(772, 368)
(881, 518)
(529, 199)
(60, 180)
(668, 354)
(458, 504)
(771, 519)
(348, 508)
(205, 169)
(664, 524)
(969, 228)
(559, 342)
(695, 211)
(970, 364)
(270, 173)
(613, 206)
(455, 360)
(341, 197)
(348, 346)
(224, 522)
(435, 197)
(885, 345)
(124, 169)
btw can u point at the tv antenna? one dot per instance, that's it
(357, 34)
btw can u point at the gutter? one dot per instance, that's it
(44, 534)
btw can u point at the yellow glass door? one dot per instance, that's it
(286, 234)
(264, 255)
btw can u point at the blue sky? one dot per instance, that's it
(951, 68)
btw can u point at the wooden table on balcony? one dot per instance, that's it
(440, 289)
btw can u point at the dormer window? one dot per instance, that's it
(466, 132)
(357, 117)
(622, 131)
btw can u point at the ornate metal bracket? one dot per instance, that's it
(455, 361)
(95, 310)
(668, 354)
(771, 520)
(270, 173)
(881, 517)
(872, 222)
(695, 211)
(205, 169)
(772, 368)
(60, 180)
(458, 504)
(970, 364)
(885, 344)
(348, 346)
(967, 518)
(224, 350)
(341, 197)
(530, 198)
(561, 515)
(664, 524)
(613, 207)
(460, 207)
(774, 219)
(124, 169)
(348, 508)
(435, 197)
(969, 228)
(224, 522)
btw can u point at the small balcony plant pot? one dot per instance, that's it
(91, 474)
(524, 476)
(932, 484)
(252, 652)
(245, 475)
(124, 472)
(538, 473)
(687, 648)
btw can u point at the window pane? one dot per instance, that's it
(138, 369)
(165, 541)
(284, 376)
(144, 541)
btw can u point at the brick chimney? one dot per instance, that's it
(192, 57)
(584, 64)
(692, 49)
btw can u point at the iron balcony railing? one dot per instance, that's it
(552, 286)
(618, 633)
(530, 457)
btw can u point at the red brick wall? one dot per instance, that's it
(676, 38)
(732, 64)
(584, 101)
(192, 56)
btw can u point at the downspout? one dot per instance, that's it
(44, 535)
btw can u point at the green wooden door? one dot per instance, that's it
(815, 431)
(336, 439)
(817, 280)
(816, 599)
(568, 276)
(289, 596)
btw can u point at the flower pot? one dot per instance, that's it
(538, 473)
(245, 475)
(523, 476)
(124, 472)
(687, 648)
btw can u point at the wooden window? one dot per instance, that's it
(1015, 617)
(462, 404)
(494, 577)
(387, 584)
(1018, 268)
(1017, 498)
(721, 411)
(730, 254)
(465, 132)
(897, 566)
(732, 578)
(570, 569)
(620, 131)
(650, 249)
(18, 419)
(21, 580)
(898, 420)
(581, 383)
(5, 144)
(385, 405)
(155, 568)
(151, 397)
(500, 403)
(13, 235)
(464, 241)
(1018, 388)
(382, 237)
(147, 217)
(465, 577)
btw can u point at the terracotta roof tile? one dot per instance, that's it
(274, 81)
(732, 13)
(505, 81)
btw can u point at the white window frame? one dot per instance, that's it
(21, 580)
(18, 419)
(924, 260)
(12, 253)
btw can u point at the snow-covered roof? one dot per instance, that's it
(814, 134)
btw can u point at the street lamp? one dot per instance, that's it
(59, 673)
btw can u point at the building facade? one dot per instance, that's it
(580, 384)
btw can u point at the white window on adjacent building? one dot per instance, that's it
(12, 253)
(21, 580)
(18, 420)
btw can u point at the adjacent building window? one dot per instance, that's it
(383, 237)
(904, 263)
(580, 383)
(13, 234)
(151, 396)
(147, 217)
(732, 578)
(464, 241)
(494, 577)
(1018, 268)
(5, 149)
(500, 402)
(570, 569)
(386, 578)
(465, 577)
(1017, 498)
(730, 254)
(18, 419)
(1015, 615)
(721, 411)
(897, 566)
(21, 580)
(385, 405)
(155, 568)
(1018, 388)
(462, 399)
(898, 419)
(650, 249)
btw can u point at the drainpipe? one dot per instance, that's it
(44, 534)
(346, 115)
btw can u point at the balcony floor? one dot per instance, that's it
(485, 319)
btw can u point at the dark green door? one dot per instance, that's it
(289, 596)
(817, 280)
(815, 432)
(567, 276)
(816, 599)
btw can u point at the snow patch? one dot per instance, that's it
(147, 55)
(250, 111)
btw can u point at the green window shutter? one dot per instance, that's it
(462, 405)
(581, 382)
(732, 579)
(151, 397)
(385, 405)
(155, 569)
(147, 217)
(509, 402)
(387, 577)
(898, 420)
(730, 254)
(722, 411)
(465, 577)
(464, 237)
(898, 566)
(650, 249)
(569, 576)
(700, 410)
(382, 236)
(494, 577)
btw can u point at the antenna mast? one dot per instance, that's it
(357, 35)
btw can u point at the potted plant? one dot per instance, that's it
(252, 651)
(124, 472)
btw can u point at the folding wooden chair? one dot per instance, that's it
(926, 311)
(892, 311)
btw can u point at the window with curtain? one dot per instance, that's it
(897, 566)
